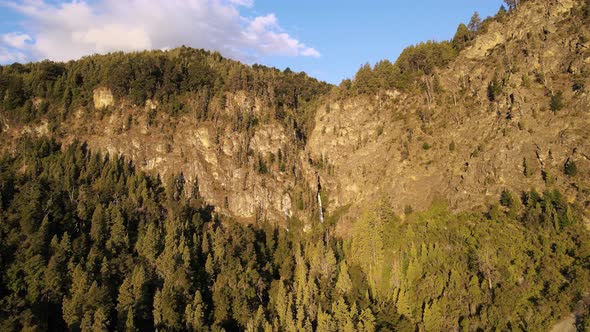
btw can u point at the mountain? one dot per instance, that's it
(237, 131)
(508, 113)
(221, 123)
(180, 190)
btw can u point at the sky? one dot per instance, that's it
(327, 39)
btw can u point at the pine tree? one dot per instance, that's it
(130, 323)
(403, 305)
(474, 23)
(149, 244)
(157, 311)
(343, 316)
(512, 4)
(325, 322)
(527, 170)
(343, 284)
(125, 301)
(366, 321)
(54, 278)
(194, 313)
(140, 282)
(433, 317)
(101, 321)
(169, 307)
(209, 265)
(34, 269)
(86, 324)
(73, 304)
(118, 241)
(462, 37)
(501, 12)
(570, 168)
(385, 74)
(364, 80)
(98, 227)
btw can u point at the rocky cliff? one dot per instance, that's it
(459, 143)
(222, 162)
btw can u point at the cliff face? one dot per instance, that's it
(223, 162)
(235, 131)
(457, 144)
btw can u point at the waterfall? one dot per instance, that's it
(320, 206)
(320, 201)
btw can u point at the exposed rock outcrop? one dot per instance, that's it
(408, 148)
(103, 98)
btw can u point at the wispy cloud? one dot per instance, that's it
(71, 29)
(15, 39)
(8, 55)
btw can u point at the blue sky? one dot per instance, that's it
(329, 40)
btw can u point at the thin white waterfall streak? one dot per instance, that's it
(320, 206)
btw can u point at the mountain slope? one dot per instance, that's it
(234, 131)
(453, 188)
(463, 141)
(255, 138)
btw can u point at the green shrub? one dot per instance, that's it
(556, 104)
(408, 210)
(262, 167)
(495, 88)
(526, 81)
(578, 85)
(527, 170)
(548, 178)
(452, 146)
(570, 168)
(507, 199)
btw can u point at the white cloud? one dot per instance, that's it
(311, 52)
(264, 34)
(11, 56)
(69, 30)
(246, 3)
(15, 39)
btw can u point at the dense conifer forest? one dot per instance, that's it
(89, 243)
(92, 241)
(182, 81)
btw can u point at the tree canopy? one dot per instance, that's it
(89, 243)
